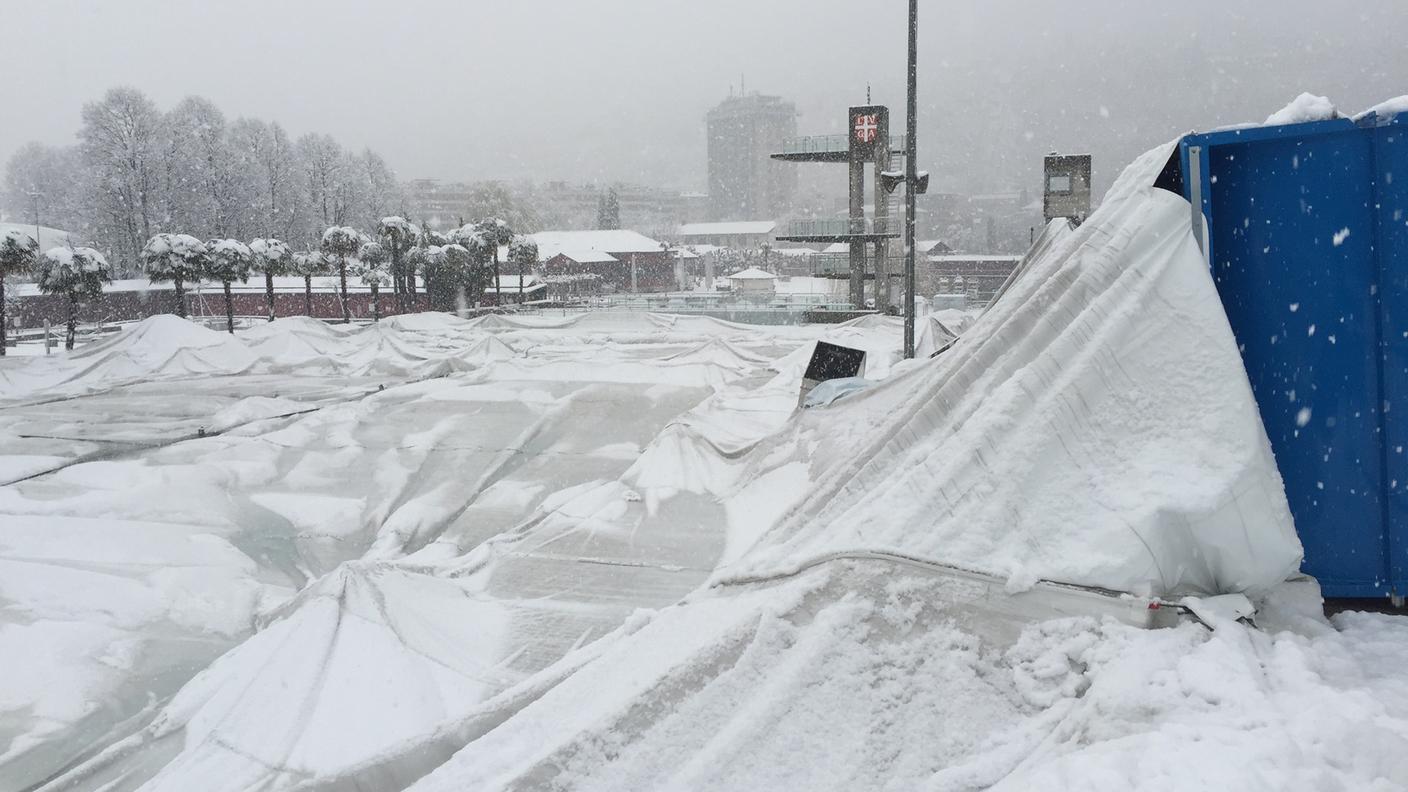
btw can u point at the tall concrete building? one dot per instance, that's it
(744, 183)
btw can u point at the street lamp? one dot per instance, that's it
(911, 178)
(916, 182)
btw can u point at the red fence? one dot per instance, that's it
(29, 311)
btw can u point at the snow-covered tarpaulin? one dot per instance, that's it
(603, 551)
(1094, 427)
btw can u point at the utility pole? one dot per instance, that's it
(35, 196)
(911, 176)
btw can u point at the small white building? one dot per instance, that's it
(752, 281)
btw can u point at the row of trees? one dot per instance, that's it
(455, 268)
(77, 274)
(137, 172)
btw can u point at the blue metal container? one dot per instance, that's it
(1307, 237)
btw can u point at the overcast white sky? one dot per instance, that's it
(617, 89)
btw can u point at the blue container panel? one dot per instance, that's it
(1391, 210)
(1291, 228)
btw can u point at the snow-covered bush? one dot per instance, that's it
(452, 276)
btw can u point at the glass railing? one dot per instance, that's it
(831, 264)
(829, 144)
(833, 227)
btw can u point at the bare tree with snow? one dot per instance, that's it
(380, 191)
(205, 187)
(119, 142)
(267, 169)
(50, 183)
(18, 253)
(174, 258)
(78, 275)
(227, 261)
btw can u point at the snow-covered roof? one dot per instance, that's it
(48, 237)
(961, 257)
(736, 228)
(802, 251)
(587, 256)
(837, 247)
(550, 243)
(752, 273)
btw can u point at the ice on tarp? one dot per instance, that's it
(1094, 427)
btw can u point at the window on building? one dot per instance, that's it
(1058, 184)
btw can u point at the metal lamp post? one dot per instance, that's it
(911, 178)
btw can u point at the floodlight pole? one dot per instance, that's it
(911, 178)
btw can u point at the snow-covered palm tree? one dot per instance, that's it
(228, 260)
(308, 264)
(18, 253)
(271, 257)
(495, 234)
(399, 234)
(523, 251)
(78, 274)
(176, 259)
(343, 243)
(371, 265)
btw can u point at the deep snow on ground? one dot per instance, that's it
(604, 551)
